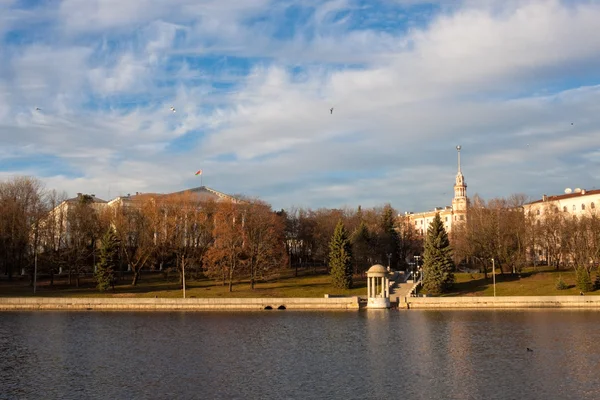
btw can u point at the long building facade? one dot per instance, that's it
(450, 215)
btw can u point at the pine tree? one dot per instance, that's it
(361, 247)
(584, 281)
(109, 248)
(437, 259)
(390, 240)
(340, 258)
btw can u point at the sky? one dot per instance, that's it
(86, 88)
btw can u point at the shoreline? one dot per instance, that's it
(178, 304)
(500, 302)
(293, 303)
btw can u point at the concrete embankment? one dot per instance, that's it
(167, 304)
(589, 302)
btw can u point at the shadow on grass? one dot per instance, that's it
(476, 286)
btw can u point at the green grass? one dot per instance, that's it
(531, 282)
(155, 285)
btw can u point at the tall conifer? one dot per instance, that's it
(109, 251)
(340, 258)
(438, 266)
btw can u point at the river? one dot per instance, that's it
(301, 355)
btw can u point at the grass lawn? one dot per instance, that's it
(531, 282)
(540, 281)
(155, 285)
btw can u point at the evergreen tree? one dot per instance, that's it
(109, 250)
(340, 258)
(584, 281)
(389, 242)
(361, 248)
(437, 259)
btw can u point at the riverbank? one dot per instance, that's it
(286, 303)
(516, 302)
(169, 304)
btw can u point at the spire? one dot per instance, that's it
(460, 187)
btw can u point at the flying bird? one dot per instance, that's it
(172, 108)
(331, 110)
(38, 109)
(571, 123)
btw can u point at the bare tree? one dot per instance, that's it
(264, 247)
(222, 260)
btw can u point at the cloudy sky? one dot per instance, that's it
(515, 83)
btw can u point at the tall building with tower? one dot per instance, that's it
(450, 215)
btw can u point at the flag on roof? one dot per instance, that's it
(199, 172)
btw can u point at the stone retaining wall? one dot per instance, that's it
(502, 302)
(193, 304)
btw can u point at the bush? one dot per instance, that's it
(597, 281)
(560, 284)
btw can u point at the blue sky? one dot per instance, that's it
(516, 83)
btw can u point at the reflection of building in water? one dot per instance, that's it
(450, 215)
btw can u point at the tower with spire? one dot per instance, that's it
(459, 202)
(451, 215)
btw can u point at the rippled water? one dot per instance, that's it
(296, 355)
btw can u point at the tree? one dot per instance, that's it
(438, 266)
(83, 230)
(222, 260)
(264, 247)
(584, 281)
(20, 206)
(388, 238)
(340, 258)
(109, 254)
(361, 248)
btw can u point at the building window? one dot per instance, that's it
(538, 212)
(447, 217)
(416, 222)
(574, 207)
(565, 208)
(583, 206)
(592, 205)
(462, 217)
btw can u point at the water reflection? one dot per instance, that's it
(287, 355)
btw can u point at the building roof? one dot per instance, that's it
(92, 196)
(377, 270)
(201, 193)
(565, 196)
(204, 193)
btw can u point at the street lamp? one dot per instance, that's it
(494, 275)
(389, 256)
(417, 258)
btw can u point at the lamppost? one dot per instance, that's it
(389, 256)
(417, 258)
(183, 280)
(494, 275)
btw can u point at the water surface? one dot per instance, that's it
(301, 355)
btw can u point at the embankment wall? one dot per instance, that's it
(193, 304)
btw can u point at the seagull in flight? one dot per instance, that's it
(331, 110)
(172, 108)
